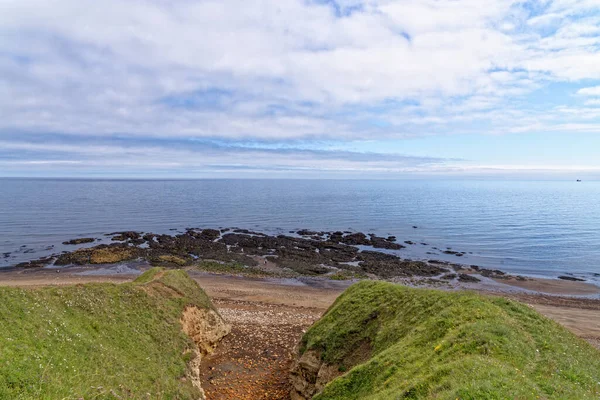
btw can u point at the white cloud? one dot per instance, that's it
(590, 91)
(291, 69)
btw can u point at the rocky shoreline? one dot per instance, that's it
(335, 255)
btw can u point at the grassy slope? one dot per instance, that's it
(98, 341)
(432, 344)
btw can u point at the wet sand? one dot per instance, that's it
(553, 286)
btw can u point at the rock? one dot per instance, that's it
(246, 231)
(383, 243)
(102, 254)
(309, 375)
(317, 254)
(79, 241)
(571, 278)
(494, 274)
(211, 234)
(39, 263)
(337, 253)
(306, 232)
(149, 237)
(409, 242)
(468, 278)
(439, 262)
(6, 255)
(355, 239)
(387, 266)
(456, 267)
(336, 237)
(449, 277)
(368, 255)
(123, 236)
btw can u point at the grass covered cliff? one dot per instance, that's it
(105, 341)
(384, 341)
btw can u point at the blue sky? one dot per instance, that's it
(300, 88)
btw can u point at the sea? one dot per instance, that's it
(532, 228)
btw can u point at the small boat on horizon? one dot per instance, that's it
(578, 180)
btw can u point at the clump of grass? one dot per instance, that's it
(149, 275)
(427, 344)
(98, 341)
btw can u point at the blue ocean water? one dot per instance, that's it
(540, 228)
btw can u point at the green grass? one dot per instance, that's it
(427, 344)
(98, 341)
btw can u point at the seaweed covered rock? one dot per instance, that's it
(79, 241)
(383, 341)
(314, 253)
(385, 243)
(103, 254)
(127, 235)
(389, 266)
(39, 263)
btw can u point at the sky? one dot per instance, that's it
(379, 89)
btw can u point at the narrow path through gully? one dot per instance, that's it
(253, 361)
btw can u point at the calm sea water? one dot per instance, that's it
(533, 228)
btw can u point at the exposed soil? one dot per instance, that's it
(253, 361)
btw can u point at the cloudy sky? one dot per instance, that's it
(300, 88)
